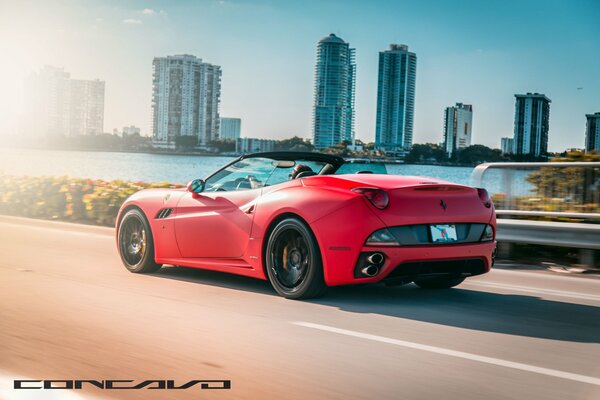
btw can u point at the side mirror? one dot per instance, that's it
(196, 186)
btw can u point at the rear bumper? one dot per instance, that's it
(341, 236)
(403, 264)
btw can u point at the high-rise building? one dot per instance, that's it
(532, 118)
(57, 105)
(87, 107)
(396, 98)
(186, 94)
(335, 81)
(592, 132)
(230, 128)
(458, 121)
(506, 145)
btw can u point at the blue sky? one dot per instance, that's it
(478, 52)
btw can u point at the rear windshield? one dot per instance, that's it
(359, 166)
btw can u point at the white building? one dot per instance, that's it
(186, 94)
(56, 105)
(458, 122)
(254, 145)
(230, 128)
(506, 145)
(86, 108)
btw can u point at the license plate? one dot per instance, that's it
(443, 233)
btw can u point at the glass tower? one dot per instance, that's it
(335, 81)
(395, 98)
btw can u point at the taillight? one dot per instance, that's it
(484, 197)
(378, 197)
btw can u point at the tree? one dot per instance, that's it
(294, 144)
(223, 146)
(425, 152)
(572, 184)
(477, 154)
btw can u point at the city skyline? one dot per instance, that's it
(492, 61)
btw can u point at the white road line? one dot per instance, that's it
(543, 275)
(528, 289)
(453, 353)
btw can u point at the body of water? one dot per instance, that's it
(158, 167)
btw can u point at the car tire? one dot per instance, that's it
(136, 245)
(439, 283)
(293, 261)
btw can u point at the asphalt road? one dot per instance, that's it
(70, 310)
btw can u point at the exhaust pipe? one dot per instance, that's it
(375, 258)
(370, 270)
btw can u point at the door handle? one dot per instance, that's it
(250, 209)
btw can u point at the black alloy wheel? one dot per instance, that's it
(136, 246)
(293, 261)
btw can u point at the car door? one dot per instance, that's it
(217, 222)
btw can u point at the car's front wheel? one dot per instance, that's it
(439, 283)
(136, 245)
(293, 261)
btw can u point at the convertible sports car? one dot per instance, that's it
(306, 221)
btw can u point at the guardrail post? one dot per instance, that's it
(586, 257)
(505, 250)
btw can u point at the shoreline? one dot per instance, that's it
(374, 159)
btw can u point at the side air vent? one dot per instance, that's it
(164, 213)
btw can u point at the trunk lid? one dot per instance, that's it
(415, 199)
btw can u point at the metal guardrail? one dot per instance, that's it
(549, 187)
(551, 190)
(519, 213)
(560, 234)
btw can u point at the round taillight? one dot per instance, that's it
(484, 197)
(378, 197)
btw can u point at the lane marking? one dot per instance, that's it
(454, 353)
(542, 275)
(528, 289)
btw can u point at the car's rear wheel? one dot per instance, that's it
(293, 261)
(136, 245)
(439, 283)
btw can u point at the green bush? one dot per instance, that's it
(67, 199)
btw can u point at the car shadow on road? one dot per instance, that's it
(510, 314)
(219, 279)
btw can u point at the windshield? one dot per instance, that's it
(257, 172)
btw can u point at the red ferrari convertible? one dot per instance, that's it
(306, 221)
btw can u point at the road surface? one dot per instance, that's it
(70, 310)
